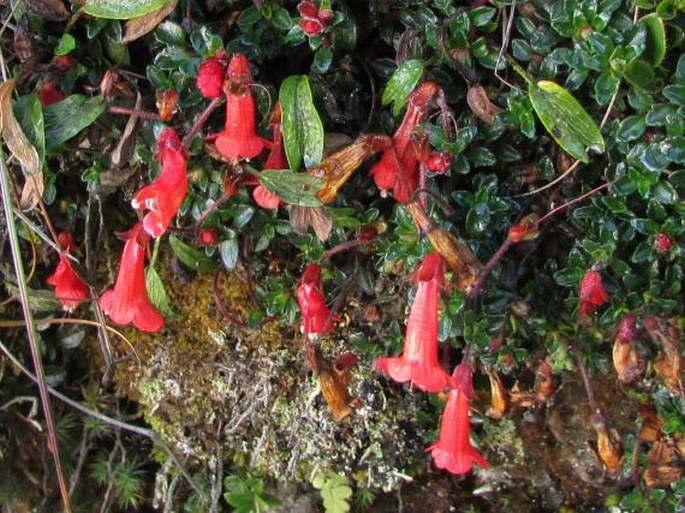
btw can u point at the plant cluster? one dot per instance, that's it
(512, 173)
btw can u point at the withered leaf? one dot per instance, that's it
(52, 10)
(302, 218)
(668, 363)
(137, 27)
(21, 148)
(499, 397)
(628, 361)
(127, 141)
(480, 104)
(661, 476)
(333, 382)
(660, 453)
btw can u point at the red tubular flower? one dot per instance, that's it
(128, 301)
(164, 196)
(453, 450)
(592, 292)
(401, 171)
(316, 317)
(276, 160)
(419, 362)
(70, 288)
(239, 140)
(210, 77)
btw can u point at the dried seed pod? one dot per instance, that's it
(668, 363)
(333, 380)
(458, 255)
(337, 168)
(499, 397)
(480, 104)
(609, 446)
(661, 476)
(544, 382)
(628, 360)
(651, 424)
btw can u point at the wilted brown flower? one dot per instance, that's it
(628, 360)
(668, 363)
(609, 446)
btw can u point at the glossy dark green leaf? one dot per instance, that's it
(481, 16)
(122, 9)
(674, 149)
(565, 119)
(401, 84)
(664, 192)
(190, 256)
(675, 93)
(605, 86)
(29, 114)
(640, 74)
(293, 188)
(157, 293)
(229, 252)
(631, 128)
(303, 134)
(65, 119)
(655, 50)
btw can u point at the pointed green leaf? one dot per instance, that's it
(303, 133)
(157, 293)
(401, 84)
(655, 50)
(293, 188)
(191, 256)
(65, 119)
(565, 119)
(122, 9)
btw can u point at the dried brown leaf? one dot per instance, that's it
(628, 361)
(668, 363)
(333, 383)
(662, 476)
(52, 10)
(21, 148)
(651, 424)
(302, 218)
(24, 45)
(480, 104)
(499, 397)
(127, 141)
(137, 27)
(660, 453)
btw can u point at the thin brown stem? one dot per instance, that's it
(220, 304)
(31, 332)
(489, 267)
(150, 116)
(568, 204)
(586, 382)
(340, 248)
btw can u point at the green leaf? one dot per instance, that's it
(29, 114)
(303, 133)
(631, 128)
(335, 493)
(191, 256)
(675, 94)
(229, 252)
(66, 45)
(401, 84)
(293, 188)
(122, 9)
(655, 50)
(157, 293)
(640, 74)
(39, 300)
(565, 119)
(65, 119)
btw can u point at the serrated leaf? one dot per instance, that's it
(293, 188)
(39, 300)
(303, 134)
(157, 293)
(121, 9)
(335, 494)
(655, 51)
(65, 119)
(191, 256)
(401, 84)
(565, 119)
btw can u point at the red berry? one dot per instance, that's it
(209, 237)
(210, 77)
(663, 243)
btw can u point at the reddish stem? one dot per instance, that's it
(489, 267)
(209, 210)
(566, 205)
(220, 304)
(200, 121)
(340, 248)
(152, 116)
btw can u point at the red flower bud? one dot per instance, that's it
(592, 292)
(210, 77)
(311, 26)
(209, 237)
(63, 62)
(663, 243)
(307, 8)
